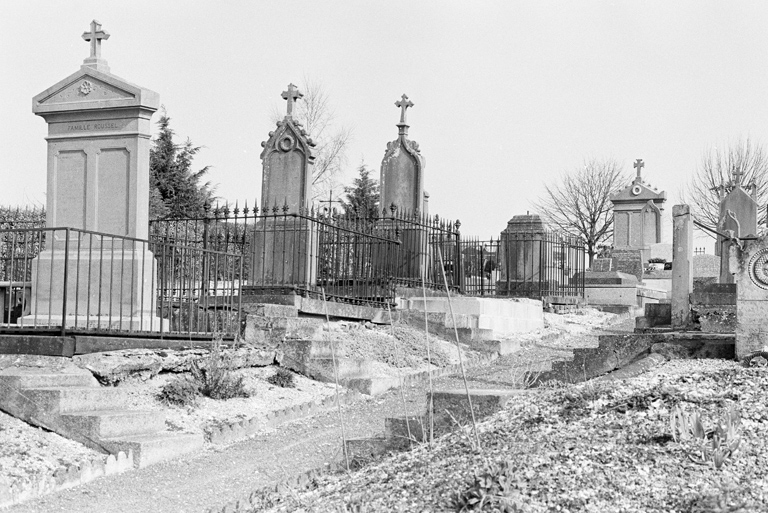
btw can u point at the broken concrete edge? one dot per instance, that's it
(66, 477)
(234, 431)
(377, 385)
(634, 369)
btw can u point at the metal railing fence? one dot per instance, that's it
(533, 265)
(355, 259)
(66, 280)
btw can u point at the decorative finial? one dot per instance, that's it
(291, 95)
(403, 103)
(94, 37)
(639, 164)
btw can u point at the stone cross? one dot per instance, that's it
(94, 37)
(737, 177)
(403, 103)
(639, 164)
(291, 95)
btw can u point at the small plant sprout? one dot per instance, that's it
(715, 445)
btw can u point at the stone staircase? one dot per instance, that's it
(451, 412)
(71, 403)
(477, 320)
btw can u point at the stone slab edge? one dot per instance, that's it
(66, 477)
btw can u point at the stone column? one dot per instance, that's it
(98, 179)
(286, 239)
(682, 265)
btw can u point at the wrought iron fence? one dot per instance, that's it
(533, 265)
(67, 280)
(354, 259)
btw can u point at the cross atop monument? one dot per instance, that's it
(737, 174)
(94, 37)
(639, 164)
(403, 103)
(291, 95)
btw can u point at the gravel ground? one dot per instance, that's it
(218, 476)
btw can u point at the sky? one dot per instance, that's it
(508, 95)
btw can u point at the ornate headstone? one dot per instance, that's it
(738, 218)
(402, 169)
(637, 214)
(287, 161)
(98, 179)
(750, 267)
(285, 239)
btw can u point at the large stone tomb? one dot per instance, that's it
(98, 180)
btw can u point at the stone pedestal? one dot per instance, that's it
(287, 252)
(98, 179)
(98, 286)
(750, 267)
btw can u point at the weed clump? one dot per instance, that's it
(283, 378)
(215, 377)
(179, 392)
(492, 488)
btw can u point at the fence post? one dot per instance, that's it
(66, 278)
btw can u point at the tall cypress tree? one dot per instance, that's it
(175, 190)
(362, 197)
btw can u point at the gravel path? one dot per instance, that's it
(218, 476)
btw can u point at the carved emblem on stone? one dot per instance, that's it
(286, 143)
(758, 269)
(86, 87)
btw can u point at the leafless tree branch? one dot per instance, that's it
(579, 204)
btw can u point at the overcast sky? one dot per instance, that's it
(508, 94)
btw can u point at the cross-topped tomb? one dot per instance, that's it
(291, 95)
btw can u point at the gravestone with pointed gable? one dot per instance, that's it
(286, 240)
(99, 134)
(738, 218)
(287, 161)
(402, 169)
(402, 192)
(637, 218)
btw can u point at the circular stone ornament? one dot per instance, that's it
(86, 87)
(758, 268)
(636, 189)
(286, 143)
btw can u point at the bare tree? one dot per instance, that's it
(579, 204)
(719, 167)
(315, 114)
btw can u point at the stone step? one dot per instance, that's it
(451, 407)
(613, 352)
(115, 423)
(321, 369)
(398, 429)
(72, 399)
(19, 378)
(154, 448)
